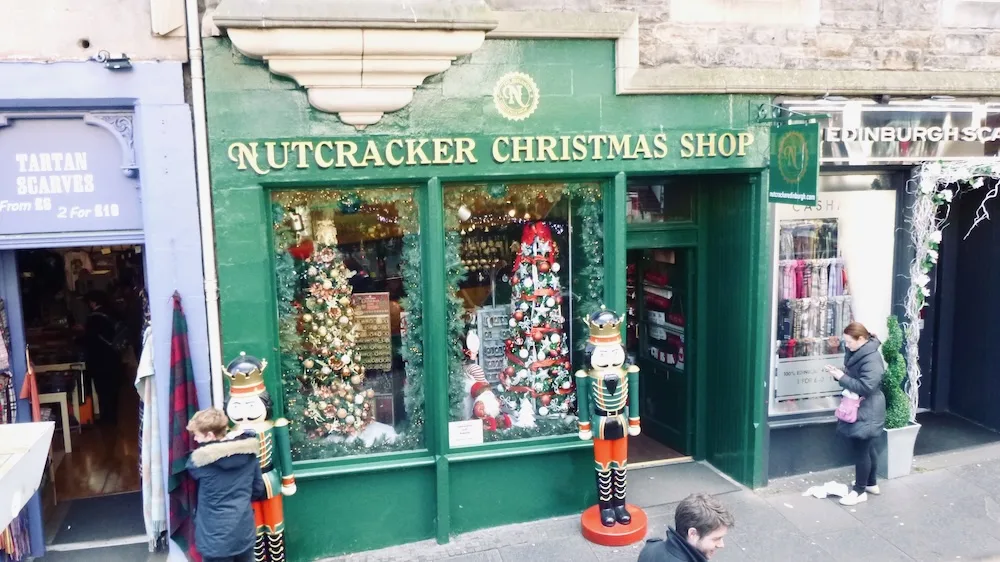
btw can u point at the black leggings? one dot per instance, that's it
(865, 463)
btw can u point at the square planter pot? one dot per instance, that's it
(896, 451)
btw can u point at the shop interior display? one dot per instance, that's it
(350, 336)
(814, 301)
(513, 245)
(655, 319)
(814, 306)
(608, 394)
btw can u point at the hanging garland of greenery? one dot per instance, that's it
(588, 280)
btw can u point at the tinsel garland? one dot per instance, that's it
(588, 262)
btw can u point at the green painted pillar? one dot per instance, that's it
(615, 198)
(436, 344)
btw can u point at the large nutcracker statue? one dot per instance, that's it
(249, 407)
(608, 399)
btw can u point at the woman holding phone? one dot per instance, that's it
(863, 377)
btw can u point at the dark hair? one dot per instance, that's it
(702, 513)
(857, 330)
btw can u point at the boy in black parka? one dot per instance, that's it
(228, 474)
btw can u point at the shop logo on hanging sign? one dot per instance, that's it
(794, 164)
(516, 96)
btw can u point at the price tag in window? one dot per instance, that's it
(465, 433)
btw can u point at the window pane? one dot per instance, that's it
(661, 201)
(835, 265)
(349, 316)
(526, 261)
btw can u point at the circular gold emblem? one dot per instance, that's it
(793, 154)
(516, 96)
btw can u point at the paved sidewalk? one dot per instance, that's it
(948, 509)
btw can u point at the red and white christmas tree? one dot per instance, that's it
(538, 367)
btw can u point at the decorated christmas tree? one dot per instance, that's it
(537, 377)
(339, 404)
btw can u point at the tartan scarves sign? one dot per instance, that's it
(537, 377)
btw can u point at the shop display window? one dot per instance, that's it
(349, 313)
(661, 201)
(834, 267)
(526, 265)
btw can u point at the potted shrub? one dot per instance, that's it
(900, 436)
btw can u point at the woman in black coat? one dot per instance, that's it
(865, 370)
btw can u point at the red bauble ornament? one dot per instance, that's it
(546, 399)
(559, 299)
(554, 353)
(537, 335)
(302, 251)
(544, 267)
(518, 315)
(514, 280)
(509, 371)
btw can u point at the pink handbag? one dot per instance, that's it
(847, 412)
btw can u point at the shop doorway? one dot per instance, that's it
(659, 283)
(81, 312)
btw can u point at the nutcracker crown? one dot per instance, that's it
(246, 375)
(605, 327)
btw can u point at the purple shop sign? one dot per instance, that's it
(68, 172)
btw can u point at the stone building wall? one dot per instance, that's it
(839, 35)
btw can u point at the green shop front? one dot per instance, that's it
(417, 278)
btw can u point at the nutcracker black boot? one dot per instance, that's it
(605, 497)
(260, 548)
(621, 512)
(276, 547)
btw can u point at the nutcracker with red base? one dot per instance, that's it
(249, 407)
(608, 399)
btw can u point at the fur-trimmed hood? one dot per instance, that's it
(229, 453)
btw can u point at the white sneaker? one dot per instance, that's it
(853, 498)
(873, 490)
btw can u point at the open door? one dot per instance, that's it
(661, 282)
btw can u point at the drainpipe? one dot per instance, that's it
(204, 199)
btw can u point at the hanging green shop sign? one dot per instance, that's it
(794, 164)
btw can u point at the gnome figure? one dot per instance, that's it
(249, 408)
(485, 404)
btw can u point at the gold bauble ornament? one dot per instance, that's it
(341, 413)
(370, 393)
(307, 317)
(356, 380)
(344, 301)
(308, 363)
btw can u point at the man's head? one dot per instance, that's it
(209, 425)
(703, 521)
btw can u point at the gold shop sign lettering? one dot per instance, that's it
(267, 156)
(374, 330)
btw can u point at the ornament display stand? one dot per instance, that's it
(619, 535)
